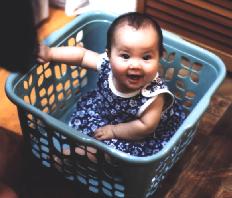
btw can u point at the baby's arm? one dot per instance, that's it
(136, 129)
(69, 54)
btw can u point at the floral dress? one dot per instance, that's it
(105, 105)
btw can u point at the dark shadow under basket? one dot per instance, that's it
(46, 95)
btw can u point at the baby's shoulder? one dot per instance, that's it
(155, 87)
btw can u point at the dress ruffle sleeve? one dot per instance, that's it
(152, 90)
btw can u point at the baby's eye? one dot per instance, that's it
(147, 57)
(125, 56)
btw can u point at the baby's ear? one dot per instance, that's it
(108, 53)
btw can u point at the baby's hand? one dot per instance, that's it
(104, 133)
(43, 54)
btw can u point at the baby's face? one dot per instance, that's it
(134, 57)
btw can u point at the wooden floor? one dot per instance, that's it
(204, 171)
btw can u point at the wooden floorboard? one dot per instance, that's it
(205, 170)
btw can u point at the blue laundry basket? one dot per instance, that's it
(46, 95)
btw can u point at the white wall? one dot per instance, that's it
(115, 6)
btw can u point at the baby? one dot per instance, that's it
(131, 109)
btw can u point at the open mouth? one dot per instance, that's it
(134, 77)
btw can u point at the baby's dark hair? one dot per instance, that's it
(136, 20)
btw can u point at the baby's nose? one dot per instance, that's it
(134, 63)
